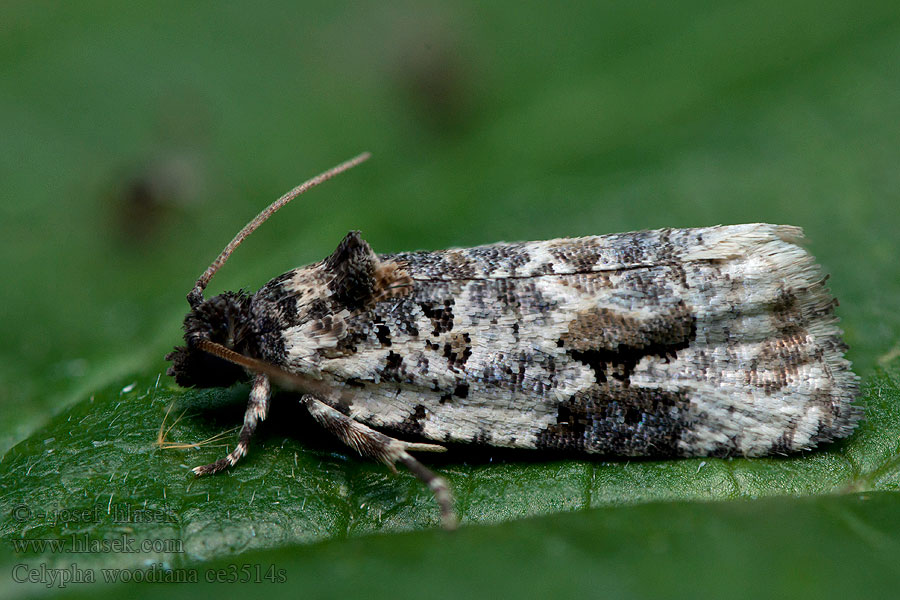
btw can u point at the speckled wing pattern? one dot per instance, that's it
(677, 342)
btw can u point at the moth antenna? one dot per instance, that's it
(195, 297)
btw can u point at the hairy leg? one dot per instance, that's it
(386, 449)
(257, 409)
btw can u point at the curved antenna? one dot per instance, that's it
(195, 296)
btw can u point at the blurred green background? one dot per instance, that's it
(135, 140)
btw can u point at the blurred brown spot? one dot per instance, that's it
(435, 78)
(143, 201)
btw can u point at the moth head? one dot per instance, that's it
(225, 320)
(217, 331)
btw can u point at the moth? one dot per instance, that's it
(716, 341)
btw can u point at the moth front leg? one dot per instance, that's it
(257, 409)
(386, 449)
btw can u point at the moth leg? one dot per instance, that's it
(386, 449)
(257, 409)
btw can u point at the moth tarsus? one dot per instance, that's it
(714, 341)
(386, 449)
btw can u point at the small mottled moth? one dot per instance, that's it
(716, 341)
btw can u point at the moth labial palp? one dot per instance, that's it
(715, 341)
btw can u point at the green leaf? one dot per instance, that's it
(815, 548)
